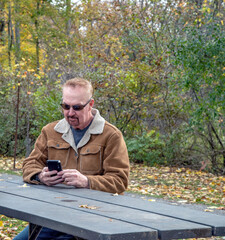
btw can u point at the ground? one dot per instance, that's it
(180, 186)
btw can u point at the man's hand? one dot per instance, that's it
(72, 177)
(46, 177)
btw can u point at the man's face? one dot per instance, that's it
(77, 96)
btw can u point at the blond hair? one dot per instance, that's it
(81, 82)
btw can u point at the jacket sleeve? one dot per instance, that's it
(37, 159)
(115, 165)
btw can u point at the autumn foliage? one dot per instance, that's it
(157, 68)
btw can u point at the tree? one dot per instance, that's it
(200, 56)
(155, 66)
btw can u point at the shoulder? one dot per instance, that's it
(50, 125)
(112, 129)
(49, 128)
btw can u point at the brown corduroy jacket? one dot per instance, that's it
(101, 154)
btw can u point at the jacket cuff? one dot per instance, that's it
(35, 177)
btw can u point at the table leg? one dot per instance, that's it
(34, 231)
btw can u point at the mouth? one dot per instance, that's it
(73, 119)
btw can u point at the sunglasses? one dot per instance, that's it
(75, 107)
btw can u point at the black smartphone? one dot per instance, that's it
(54, 165)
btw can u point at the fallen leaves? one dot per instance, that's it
(9, 227)
(115, 194)
(24, 185)
(180, 184)
(88, 207)
(6, 163)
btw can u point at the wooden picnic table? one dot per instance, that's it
(94, 215)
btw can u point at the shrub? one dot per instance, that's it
(147, 148)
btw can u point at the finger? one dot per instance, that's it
(54, 180)
(68, 179)
(55, 177)
(52, 173)
(45, 169)
(57, 181)
(60, 173)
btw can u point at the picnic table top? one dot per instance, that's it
(91, 214)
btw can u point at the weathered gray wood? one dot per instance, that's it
(81, 224)
(217, 222)
(167, 227)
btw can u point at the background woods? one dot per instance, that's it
(157, 68)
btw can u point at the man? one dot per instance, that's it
(92, 152)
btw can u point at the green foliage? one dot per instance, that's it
(47, 107)
(8, 112)
(147, 148)
(153, 66)
(200, 60)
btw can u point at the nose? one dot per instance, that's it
(71, 111)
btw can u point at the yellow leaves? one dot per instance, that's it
(212, 208)
(221, 178)
(9, 227)
(37, 76)
(14, 87)
(24, 185)
(88, 207)
(151, 200)
(7, 163)
(152, 177)
(24, 75)
(181, 184)
(4, 237)
(208, 210)
(31, 70)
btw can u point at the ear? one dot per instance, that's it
(91, 104)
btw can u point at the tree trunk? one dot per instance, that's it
(2, 22)
(68, 18)
(17, 31)
(17, 120)
(10, 34)
(37, 36)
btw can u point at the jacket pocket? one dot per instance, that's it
(91, 159)
(57, 150)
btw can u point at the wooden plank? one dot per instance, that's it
(169, 228)
(78, 223)
(217, 222)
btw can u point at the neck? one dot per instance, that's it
(89, 121)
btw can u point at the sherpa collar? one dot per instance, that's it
(96, 127)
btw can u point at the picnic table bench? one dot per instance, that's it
(94, 215)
